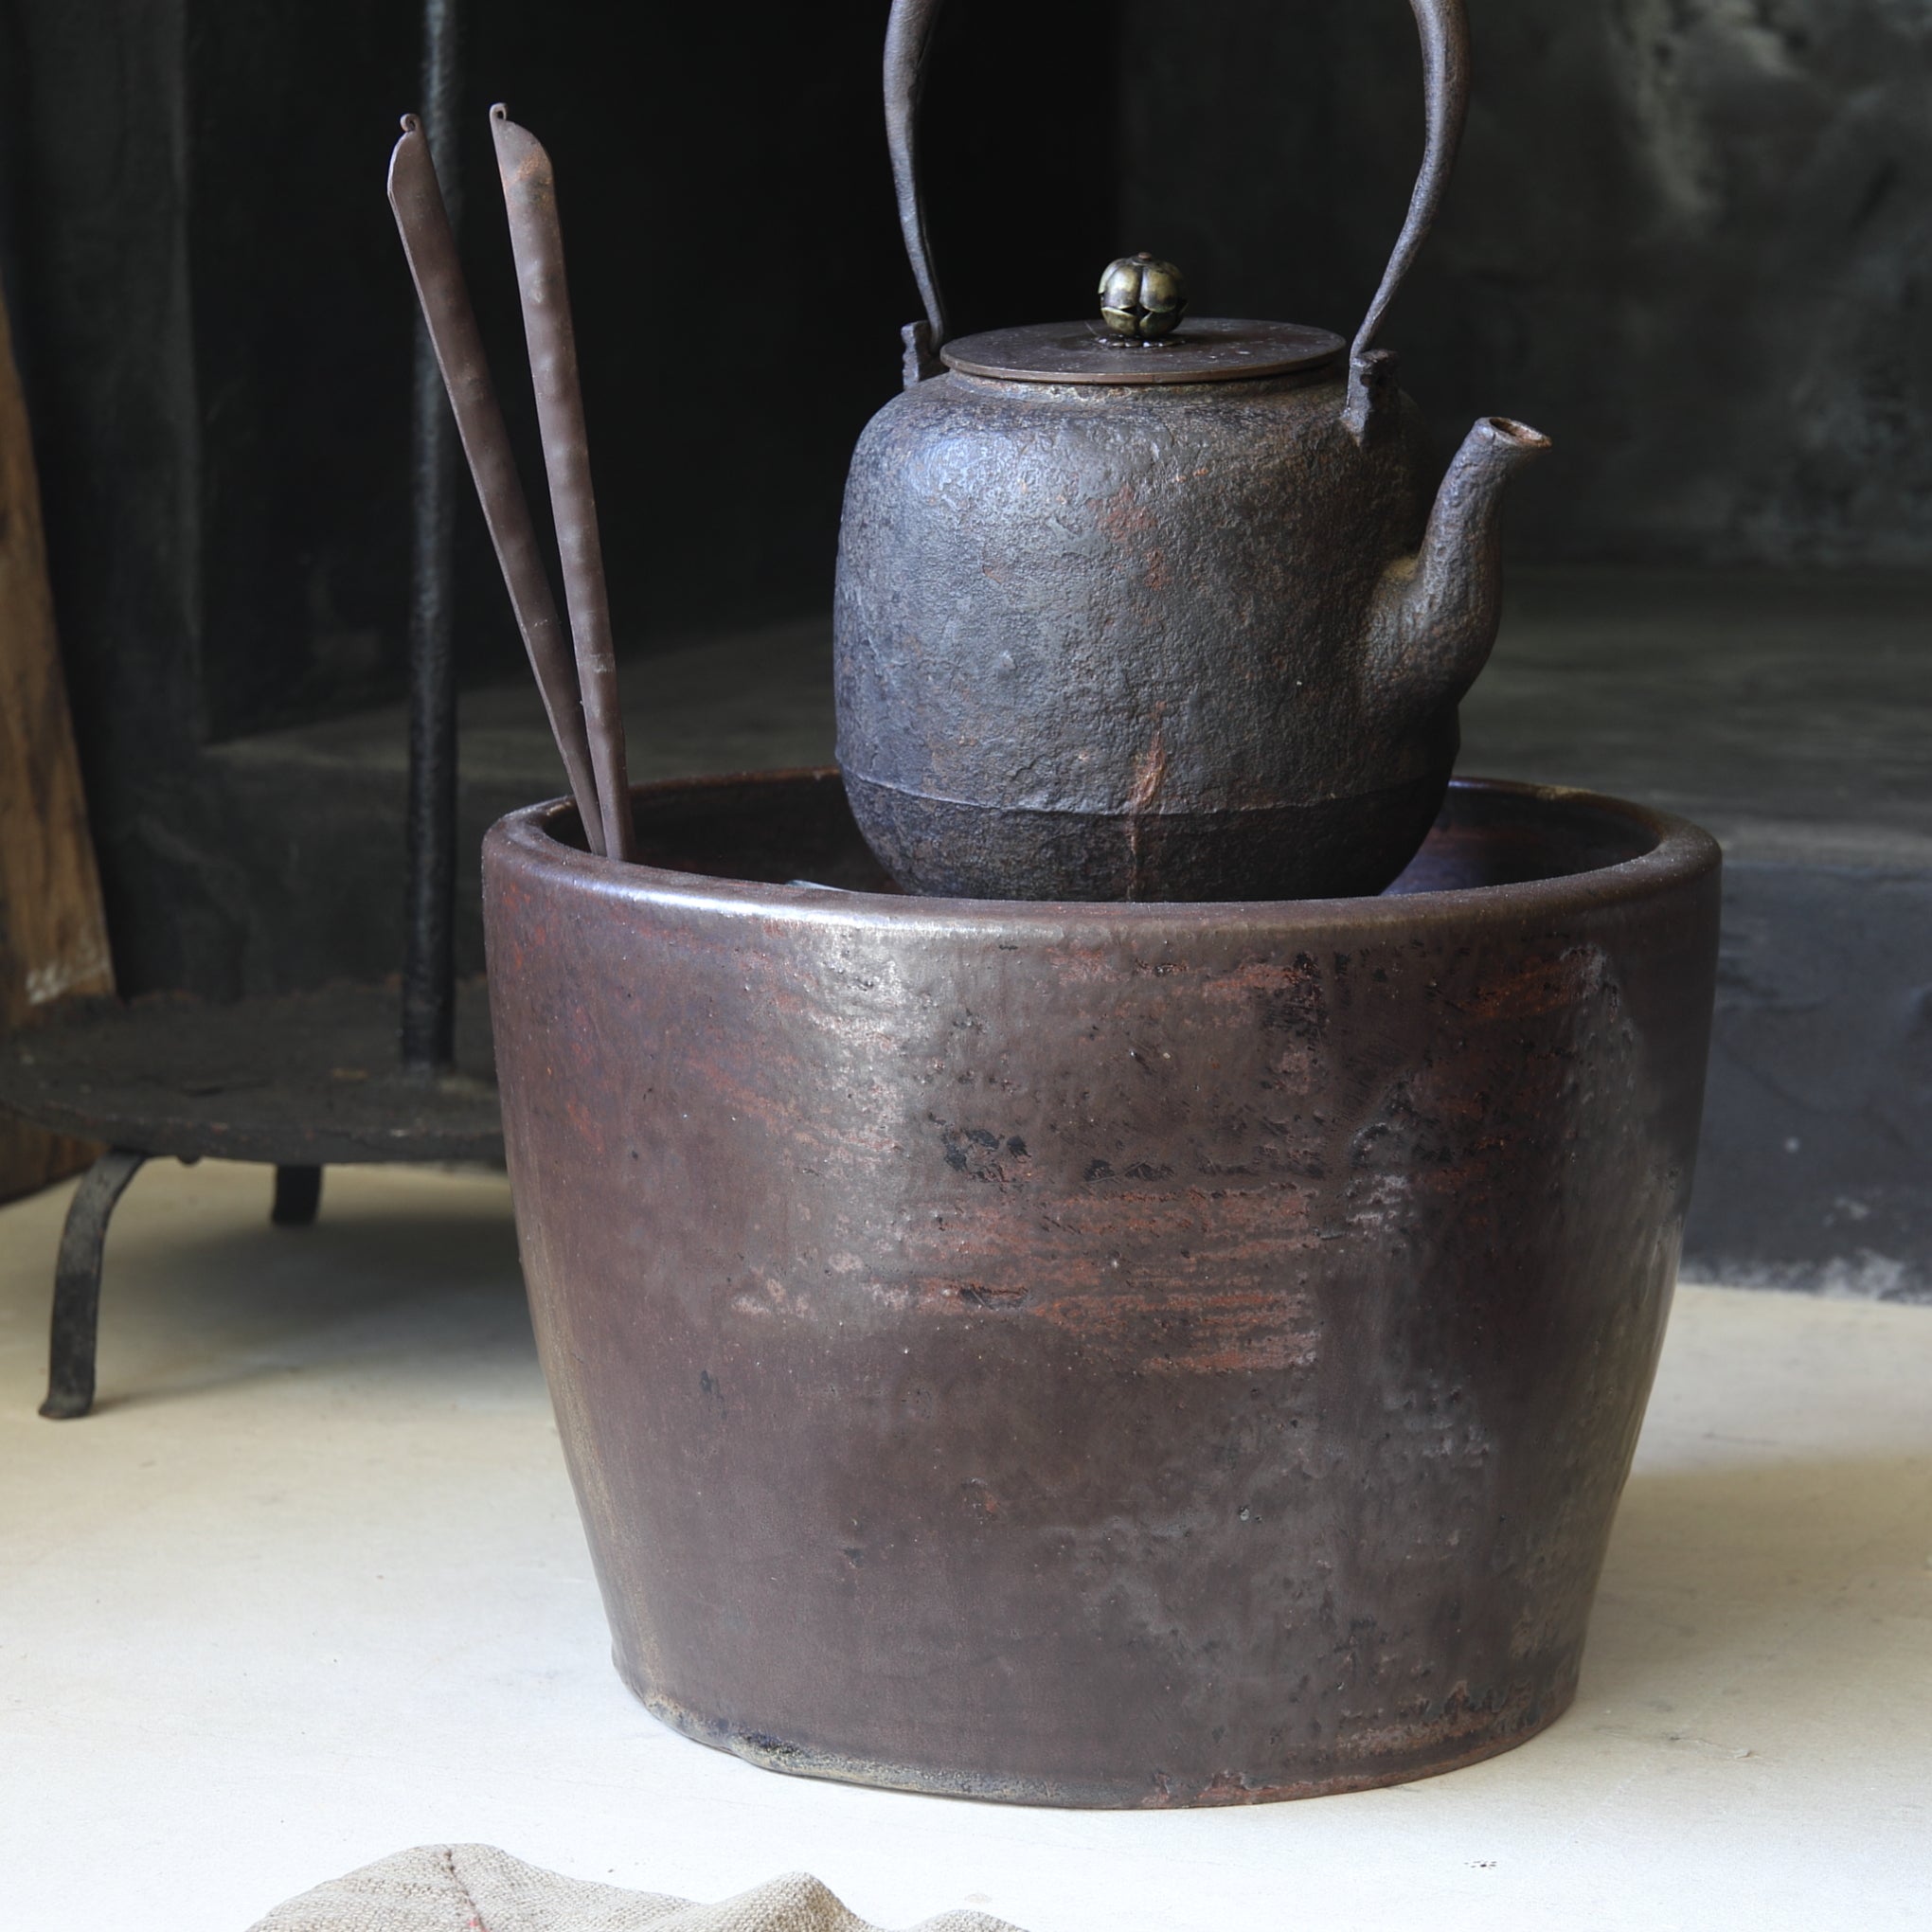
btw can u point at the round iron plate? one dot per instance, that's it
(1213, 350)
(298, 1079)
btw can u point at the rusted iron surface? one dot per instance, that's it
(1166, 619)
(1100, 1354)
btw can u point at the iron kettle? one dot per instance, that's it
(1159, 608)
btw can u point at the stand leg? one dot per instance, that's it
(77, 1283)
(297, 1194)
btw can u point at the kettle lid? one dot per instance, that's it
(1143, 338)
(1211, 350)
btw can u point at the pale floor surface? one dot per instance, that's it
(308, 1588)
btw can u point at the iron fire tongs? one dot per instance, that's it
(582, 698)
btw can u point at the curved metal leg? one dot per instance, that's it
(77, 1283)
(297, 1194)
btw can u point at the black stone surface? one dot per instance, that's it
(1788, 714)
(1685, 240)
(306, 1078)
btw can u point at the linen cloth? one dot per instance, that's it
(479, 1888)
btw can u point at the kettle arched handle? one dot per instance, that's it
(1444, 26)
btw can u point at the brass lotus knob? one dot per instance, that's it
(1141, 299)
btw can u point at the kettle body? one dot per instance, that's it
(1101, 642)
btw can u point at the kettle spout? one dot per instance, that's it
(1437, 612)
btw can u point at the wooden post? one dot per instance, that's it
(53, 934)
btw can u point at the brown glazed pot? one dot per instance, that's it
(1100, 1354)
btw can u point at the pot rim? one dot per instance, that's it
(1683, 855)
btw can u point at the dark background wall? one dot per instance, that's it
(215, 323)
(736, 278)
(1688, 239)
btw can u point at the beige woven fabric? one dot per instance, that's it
(478, 1888)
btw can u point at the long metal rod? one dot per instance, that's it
(429, 965)
(430, 243)
(530, 194)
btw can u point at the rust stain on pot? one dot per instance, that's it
(1176, 1329)
(1179, 1333)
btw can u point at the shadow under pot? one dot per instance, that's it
(1107, 1354)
